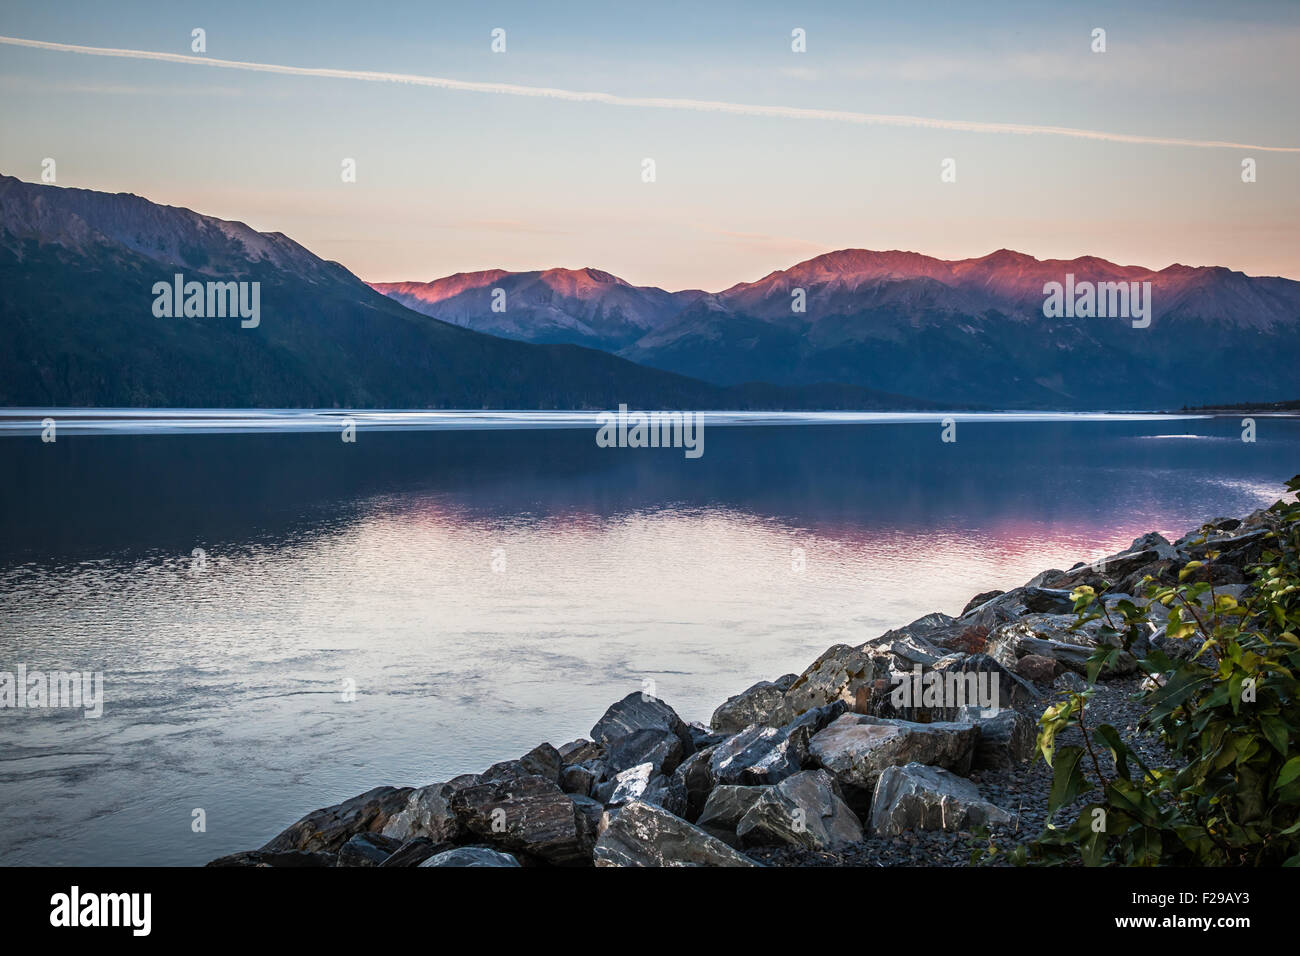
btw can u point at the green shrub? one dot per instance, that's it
(1229, 716)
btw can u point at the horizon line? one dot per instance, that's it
(612, 99)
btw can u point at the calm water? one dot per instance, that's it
(490, 589)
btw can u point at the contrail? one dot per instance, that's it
(650, 102)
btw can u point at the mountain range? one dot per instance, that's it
(78, 328)
(970, 331)
(877, 330)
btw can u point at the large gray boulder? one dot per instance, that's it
(767, 755)
(471, 856)
(327, 829)
(581, 751)
(1051, 636)
(695, 778)
(661, 748)
(725, 808)
(917, 797)
(578, 778)
(803, 810)
(525, 814)
(428, 812)
(591, 810)
(835, 676)
(646, 835)
(367, 849)
(760, 704)
(906, 647)
(757, 755)
(639, 711)
(1007, 739)
(645, 784)
(542, 761)
(858, 748)
(414, 852)
(977, 675)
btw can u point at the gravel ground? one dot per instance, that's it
(1023, 790)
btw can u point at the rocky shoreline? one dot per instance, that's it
(889, 753)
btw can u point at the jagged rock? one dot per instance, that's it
(1050, 636)
(639, 711)
(756, 755)
(1045, 579)
(1145, 551)
(1006, 739)
(803, 810)
(591, 811)
(285, 858)
(935, 620)
(724, 809)
(1032, 598)
(1160, 572)
(581, 750)
(525, 814)
(646, 835)
(695, 778)
(645, 784)
(662, 748)
(1217, 535)
(857, 749)
(542, 761)
(756, 705)
(816, 719)
(766, 755)
(1036, 667)
(367, 849)
(329, 828)
(705, 736)
(981, 598)
(836, 675)
(901, 650)
(625, 786)
(1151, 541)
(428, 812)
(578, 779)
(1047, 600)
(1004, 688)
(471, 856)
(919, 797)
(416, 851)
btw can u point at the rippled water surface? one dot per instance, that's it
(487, 589)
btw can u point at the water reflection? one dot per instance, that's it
(486, 591)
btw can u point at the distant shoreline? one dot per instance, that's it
(1260, 408)
(15, 422)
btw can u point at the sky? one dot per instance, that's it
(461, 179)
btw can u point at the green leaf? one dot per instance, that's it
(1068, 780)
(1275, 731)
(1290, 771)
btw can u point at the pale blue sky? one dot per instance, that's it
(452, 181)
